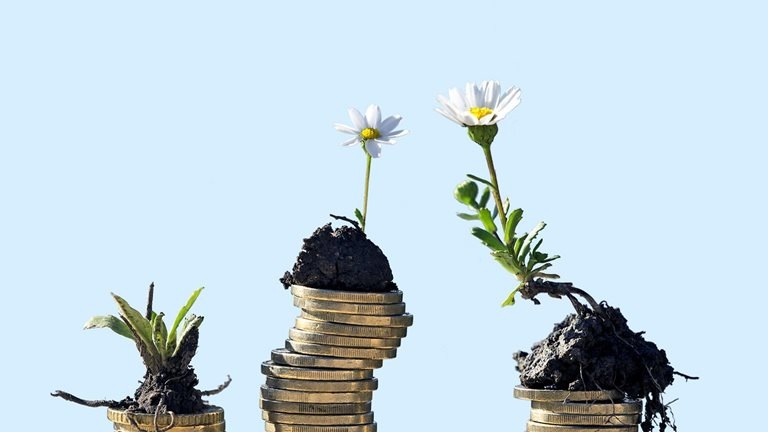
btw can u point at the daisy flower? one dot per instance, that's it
(370, 130)
(482, 105)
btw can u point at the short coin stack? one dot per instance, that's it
(580, 411)
(322, 381)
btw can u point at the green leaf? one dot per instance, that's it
(192, 322)
(485, 197)
(488, 239)
(485, 217)
(180, 316)
(466, 192)
(467, 216)
(511, 298)
(507, 261)
(160, 335)
(142, 332)
(111, 322)
(515, 216)
(532, 235)
(481, 180)
(359, 216)
(518, 245)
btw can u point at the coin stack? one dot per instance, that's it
(322, 381)
(580, 411)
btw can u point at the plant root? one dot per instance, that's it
(92, 403)
(557, 290)
(346, 219)
(218, 389)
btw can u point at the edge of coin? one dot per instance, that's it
(544, 395)
(387, 297)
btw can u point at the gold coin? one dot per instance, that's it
(270, 368)
(566, 395)
(318, 420)
(277, 427)
(388, 297)
(343, 352)
(323, 386)
(344, 341)
(404, 320)
(314, 397)
(213, 415)
(350, 330)
(590, 408)
(285, 357)
(314, 408)
(349, 308)
(585, 420)
(541, 427)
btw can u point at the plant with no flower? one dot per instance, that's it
(480, 109)
(370, 131)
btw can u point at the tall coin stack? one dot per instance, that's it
(580, 411)
(322, 381)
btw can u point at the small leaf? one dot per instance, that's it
(507, 261)
(159, 335)
(466, 192)
(142, 330)
(511, 298)
(180, 316)
(532, 235)
(518, 245)
(359, 216)
(111, 322)
(515, 216)
(481, 180)
(467, 216)
(193, 322)
(488, 239)
(485, 217)
(486, 195)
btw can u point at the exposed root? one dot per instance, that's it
(91, 403)
(218, 389)
(346, 219)
(531, 289)
(687, 377)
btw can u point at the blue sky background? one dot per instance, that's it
(191, 144)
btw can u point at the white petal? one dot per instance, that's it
(450, 117)
(373, 116)
(457, 100)
(396, 134)
(509, 102)
(449, 107)
(471, 94)
(492, 94)
(385, 141)
(351, 141)
(388, 124)
(373, 148)
(468, 119)
(346, 129)
(357, 119)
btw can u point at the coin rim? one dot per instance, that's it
(388, 297)
(546, 395)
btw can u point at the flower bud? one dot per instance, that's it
(483, 134)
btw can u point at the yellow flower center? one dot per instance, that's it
(369, 133)
(480, 112)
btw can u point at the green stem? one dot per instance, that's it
(365, 193)
(495, 188)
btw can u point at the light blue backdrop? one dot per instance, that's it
(191, 143)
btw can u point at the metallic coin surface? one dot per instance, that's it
(343, 352)
(404, 320)
(344, 341)
(277, 427)
(286, 357)
(323, 386)
(585, 420)
(349, 308)
(388, 297)
(541, 427)
(590, 408)
(314, 408)
(350, 330)
(314, 397)
(270, 368)
(566, 395)
(213, 415)
(318, 420)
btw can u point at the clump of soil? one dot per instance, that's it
(598, 351)
(341, 259)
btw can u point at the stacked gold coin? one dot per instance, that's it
(322, 381)
(580, 411)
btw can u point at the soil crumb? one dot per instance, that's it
(341, 259)
(594, 352)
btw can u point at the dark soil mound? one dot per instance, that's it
(594, 352)
(341, 259)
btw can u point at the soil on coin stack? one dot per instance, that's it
(341, 259)
(600, 352)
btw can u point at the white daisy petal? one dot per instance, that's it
(346, 129)
(351, 141)
(397, 133)
(385, 141)
(373, 148)
(388, 124)
(450, 107)
(471, 94)
(450, 117)
(373, 116)
(492, 94)
(357, 119)
(457, 100)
